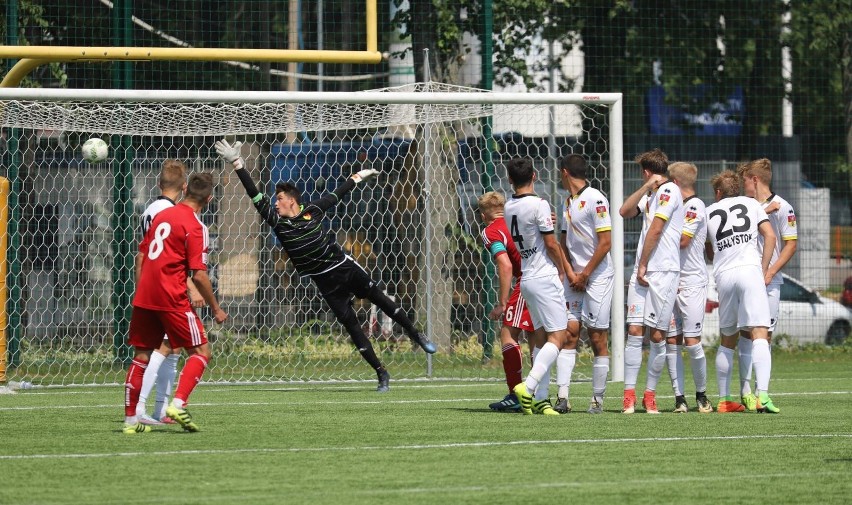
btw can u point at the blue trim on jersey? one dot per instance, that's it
(497, 248)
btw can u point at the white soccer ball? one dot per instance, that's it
(95, 150)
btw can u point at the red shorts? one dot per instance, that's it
(516, 314)
(147, 328)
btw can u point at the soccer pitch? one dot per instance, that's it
(433, 442)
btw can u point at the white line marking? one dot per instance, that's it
(418, 447)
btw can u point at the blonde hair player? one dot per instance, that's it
(756, 177)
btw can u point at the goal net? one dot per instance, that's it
(73, 227)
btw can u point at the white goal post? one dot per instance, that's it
(72, 227)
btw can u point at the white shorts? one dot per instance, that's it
(593, 306)
(743, 303)
(635, 301)
(773, 291)
(660, 299)
(546, 302)
(688, 317)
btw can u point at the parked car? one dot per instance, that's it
(804, 316)
(846, 296)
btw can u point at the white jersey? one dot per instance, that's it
(667, 204)
(528, 220)
(152, 210)
(783, 223)
(732, 224)
(693, 271)
(584, 215)
(644, 207)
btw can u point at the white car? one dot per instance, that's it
(804, 316)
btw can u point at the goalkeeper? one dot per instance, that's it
(315, 253)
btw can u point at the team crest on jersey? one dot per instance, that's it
(791, 220)
(582, 204)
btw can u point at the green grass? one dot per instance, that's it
(432, 442)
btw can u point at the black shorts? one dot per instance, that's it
(338, 286)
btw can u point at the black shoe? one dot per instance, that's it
(423, 341)
(704, 405)
(384, 382)
(680, 405)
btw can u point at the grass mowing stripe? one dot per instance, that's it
(350, 402)
(420, 447)
(594, 483)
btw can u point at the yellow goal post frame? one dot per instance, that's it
(31, 57)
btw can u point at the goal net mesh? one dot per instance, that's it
(74, 227)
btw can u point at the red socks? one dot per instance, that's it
(190, 376)
(132, 385)
(512, 365)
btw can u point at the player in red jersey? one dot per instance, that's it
(176, 242)
(511, 307)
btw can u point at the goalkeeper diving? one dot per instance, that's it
(315, 253)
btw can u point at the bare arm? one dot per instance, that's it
(137, 267)
(195, 298)
(768, 235)
(787, 252)
(604, 245)
(202, 282)
(554, 251)
(504, 274)
(652, 238)
(569, 269)
(685, 240)
(630, 207)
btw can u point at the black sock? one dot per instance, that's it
(389, 307)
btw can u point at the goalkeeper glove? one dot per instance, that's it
(363, 175)
(230, 153)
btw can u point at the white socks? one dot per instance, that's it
(762, 359)
(600, 370)
(699, 366)
(674, 361)
(656, 362)
(724, 364)
(565, 362)
(632, 361)
(538, 379)
(148, 381)
(165, 383)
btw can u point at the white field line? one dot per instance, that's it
(420, 447)
(384, 401)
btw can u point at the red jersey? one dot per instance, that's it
(176, 242)
(497, 240)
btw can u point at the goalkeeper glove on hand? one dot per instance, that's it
(230, 153)
(363, 175)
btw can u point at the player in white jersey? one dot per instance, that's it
(734, 223)
(530, 224)
(586, 239)
(691, 295)
(756, 178)
(653, 286)
(162, 366)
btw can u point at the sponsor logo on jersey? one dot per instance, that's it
(791, 220)
(691, 216)
(601, 210)
(528, 252)
(664, 199)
